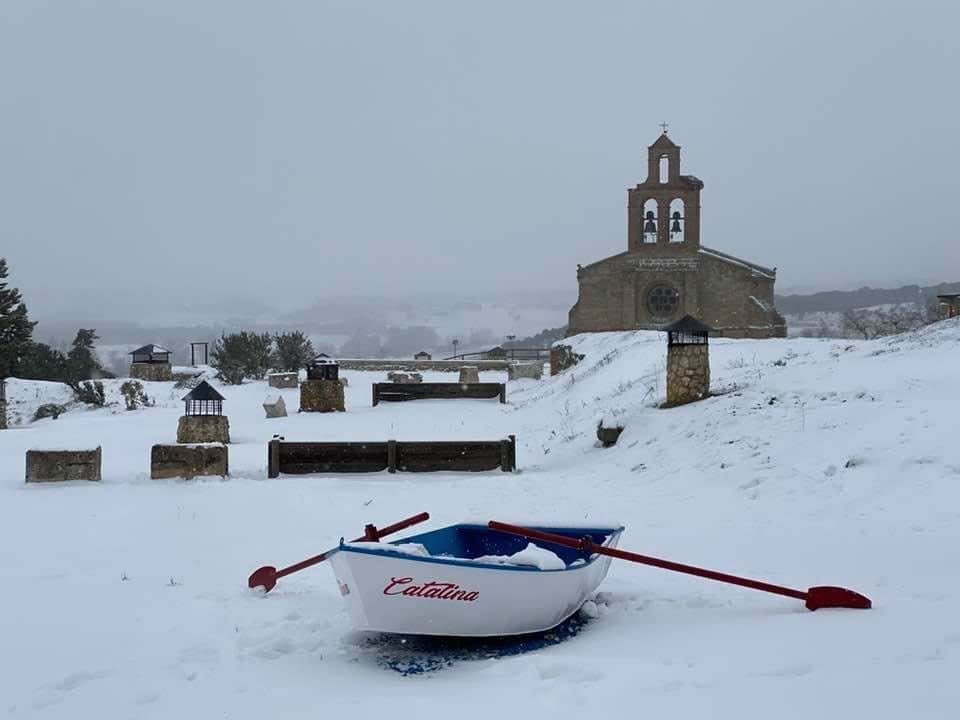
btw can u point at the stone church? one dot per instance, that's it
(666, 273)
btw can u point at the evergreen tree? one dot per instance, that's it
(83, 363)
(42, 362)
(294, 351)
(16, 330)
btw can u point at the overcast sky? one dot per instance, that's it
(279, 151)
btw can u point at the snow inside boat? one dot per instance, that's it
(469, 581)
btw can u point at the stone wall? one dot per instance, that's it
(62, 465)
(283, 380)
(3, 414)
(532, 370)
(321, 396)
(203, 429)
(156, 372)
(688, 373)
(188, 461)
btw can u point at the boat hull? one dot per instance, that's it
(396, 593)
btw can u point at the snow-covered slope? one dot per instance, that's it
(819, 462)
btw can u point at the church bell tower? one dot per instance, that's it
(663, 212)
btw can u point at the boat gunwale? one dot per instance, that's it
(380, 549)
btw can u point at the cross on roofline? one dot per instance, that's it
(664, 125)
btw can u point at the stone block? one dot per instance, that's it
(155, 372)
(321, 396)
(274, 406)
(532, 370)
(203, 429)
(563, 357)
(188, 461)
(469, 374)
(283, 380)
(62, 465)
(608, 435)
(404, 377)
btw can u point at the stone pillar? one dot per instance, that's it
(156, 372)
(469, 374)
(688, 373)
(321, 396)
(3, 414)
(203, 429)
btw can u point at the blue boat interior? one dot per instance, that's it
(474, 541)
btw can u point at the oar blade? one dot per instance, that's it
(265, 577)
(827, 596)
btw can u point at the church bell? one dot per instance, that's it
(675, 226)
(650, 226)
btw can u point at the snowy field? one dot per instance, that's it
(823, 462)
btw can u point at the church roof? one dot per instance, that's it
(758, 269)
(664, 141)
(692, 181)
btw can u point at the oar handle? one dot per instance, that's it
(372, 534)
(587, 546)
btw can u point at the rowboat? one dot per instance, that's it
(469, 580)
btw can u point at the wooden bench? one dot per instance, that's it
(399, 392)
(303, 458)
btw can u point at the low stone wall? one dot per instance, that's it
(688, 373)
(531, 370)
(321, 396)
(188, 461)
(283, 380)
(192, 429)
(155, 372)
(420, 365)
(62, 465)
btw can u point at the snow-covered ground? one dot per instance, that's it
(823, 462)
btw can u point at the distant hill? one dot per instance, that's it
(843, 300)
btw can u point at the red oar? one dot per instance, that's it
(267, 576)
(824, 596)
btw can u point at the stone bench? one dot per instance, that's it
(188, 461)
(63, 465)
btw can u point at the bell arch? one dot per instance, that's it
(676, 217)
(651, 215)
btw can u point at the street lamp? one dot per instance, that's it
(455, 343)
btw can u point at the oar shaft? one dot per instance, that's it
(590, 547)
(388, 530)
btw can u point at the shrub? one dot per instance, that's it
(90, 393)
(240, 355)
(294, 351)
(133, 394)
(51, 410)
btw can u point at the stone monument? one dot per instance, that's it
(688, 361)
(151, 362)
(322, 391)
(203, 420)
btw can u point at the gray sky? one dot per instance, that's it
(187, 150)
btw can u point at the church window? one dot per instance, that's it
(664, 169)
(663, 300)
